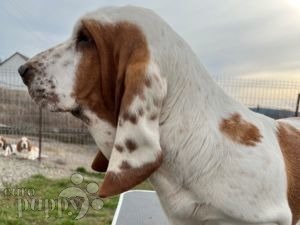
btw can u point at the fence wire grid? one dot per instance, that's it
(19, 115)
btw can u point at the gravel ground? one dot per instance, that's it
(59, 160)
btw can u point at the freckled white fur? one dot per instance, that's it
(205, 178)
(146, 132)
(62, 71)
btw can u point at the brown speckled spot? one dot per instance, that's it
(148, 82)
(131, 117)
(57, 55)
(65, 64)
(153, 117)
(131, 145)
(125, 166)
(119, 148)
(141, 111)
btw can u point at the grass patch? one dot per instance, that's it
(49, 189)
(84, 172)
(39, 187)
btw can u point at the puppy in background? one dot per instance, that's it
(26, 150)
(3, 145)
(5, 148)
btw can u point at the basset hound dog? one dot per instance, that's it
(155, 112)
(6, 149)
(3, 145)
(25, 149)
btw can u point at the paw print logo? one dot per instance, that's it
(73, 192)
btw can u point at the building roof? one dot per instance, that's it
(16, 53)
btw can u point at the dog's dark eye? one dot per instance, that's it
(83, 39)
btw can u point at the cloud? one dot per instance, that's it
(232, 37)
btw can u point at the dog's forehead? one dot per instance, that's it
(113, 15)
(24, 139)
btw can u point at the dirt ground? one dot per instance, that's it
(58, 160)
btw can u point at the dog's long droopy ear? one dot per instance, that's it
(4, 143)
(19, 149)
(139, 91)
(137, 152)
(100, 162)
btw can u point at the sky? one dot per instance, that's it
(257, 39)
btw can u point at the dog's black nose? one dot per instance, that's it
(23, 70)
(25, 73)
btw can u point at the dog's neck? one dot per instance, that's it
(191, 115)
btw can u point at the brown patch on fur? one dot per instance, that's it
(119, 148)
(125, 166)
(100, 162)
(148, 82)
(289, 140)
(141, 111)
(112, 68)
(130, 117)
(131, 145)
(116, 183)
(240, 131)
(153, 117)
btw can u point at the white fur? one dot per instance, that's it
(102, 132)
(205, 178)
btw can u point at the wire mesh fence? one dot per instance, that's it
(19, 115)
(274, 98)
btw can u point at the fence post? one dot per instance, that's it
(297, 107)
(40, 132)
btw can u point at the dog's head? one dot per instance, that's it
(24, 145)
(105, 69)
(3, 143)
